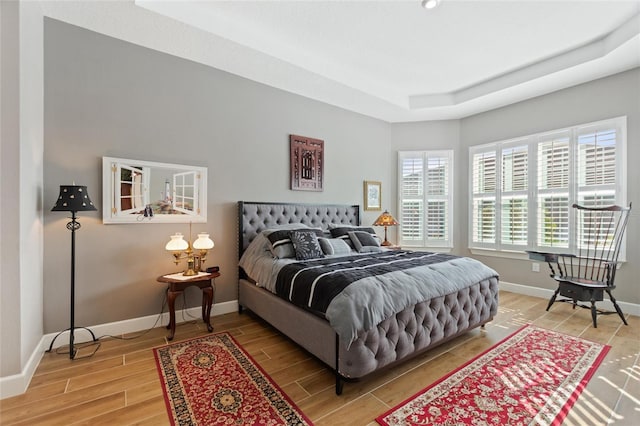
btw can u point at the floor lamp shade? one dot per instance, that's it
(73, 198)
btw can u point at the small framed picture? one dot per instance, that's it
(372, 195)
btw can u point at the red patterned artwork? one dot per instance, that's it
(307, 163)
(532, 377)
(212, 380)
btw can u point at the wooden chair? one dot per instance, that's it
(586, 276)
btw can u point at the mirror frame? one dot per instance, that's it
(110, 182)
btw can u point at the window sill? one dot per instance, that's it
(519, 255)
(430, 249)
(505, 254)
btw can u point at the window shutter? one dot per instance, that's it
(437, 197)
(514, 203)
(484, 197)
(553, 190)
(412, 198)
(425, 198)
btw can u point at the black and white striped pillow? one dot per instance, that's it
(342, 232)
(280, 243)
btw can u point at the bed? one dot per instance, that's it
(384, 338)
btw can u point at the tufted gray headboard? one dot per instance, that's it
(253, 217)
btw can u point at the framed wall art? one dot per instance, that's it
(372, 195)
(135, 191)
(307, 163)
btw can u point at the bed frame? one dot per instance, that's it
(396, 339)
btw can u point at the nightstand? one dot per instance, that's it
(177, 283)
(392, 247)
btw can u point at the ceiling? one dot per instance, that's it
(391, 60)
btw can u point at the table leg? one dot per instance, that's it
(171, 298)
(207, 301)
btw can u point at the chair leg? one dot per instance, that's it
(615, 305)
(553, 298)
(594, 313)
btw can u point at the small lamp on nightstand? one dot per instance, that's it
(385, 219)
(182, 249)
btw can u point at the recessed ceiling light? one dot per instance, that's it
(430, 4)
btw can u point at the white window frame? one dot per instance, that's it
(507, 250)
(426, 242)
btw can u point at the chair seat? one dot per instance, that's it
(584, 282)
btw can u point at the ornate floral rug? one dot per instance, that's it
(211, 380)
(533, 376)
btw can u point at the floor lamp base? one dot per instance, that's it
(72, 354)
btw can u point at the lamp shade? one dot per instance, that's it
(385, 219)
(176, 243)
(203, 242)
(73, 198)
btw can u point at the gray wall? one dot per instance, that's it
(105, 97)
(614, 96)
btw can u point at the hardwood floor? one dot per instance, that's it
(119, 385)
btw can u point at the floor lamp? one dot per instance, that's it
(73, 198)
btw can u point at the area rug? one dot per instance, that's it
(211, 380)
(533, 377)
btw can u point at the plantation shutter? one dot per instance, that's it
(484, 174)
(425, 198)
(596, 166)
(596, 173)
(553, 190)
(411, 198)
(438, 197)
(514, 200)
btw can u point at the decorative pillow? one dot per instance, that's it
(280, 241)
(306, 245)
(343, 232)
(334, 246)
(364, 242)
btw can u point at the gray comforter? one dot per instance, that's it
(365, 303)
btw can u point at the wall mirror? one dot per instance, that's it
(135, 191)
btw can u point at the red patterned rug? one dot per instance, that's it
(533, 376)
(211, 380)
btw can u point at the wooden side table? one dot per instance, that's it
(177, 283)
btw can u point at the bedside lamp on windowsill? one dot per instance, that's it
(385, 219)
(195, 253)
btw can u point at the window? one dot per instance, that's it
(426, 198)
(522, 190)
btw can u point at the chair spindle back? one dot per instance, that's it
(600, 240)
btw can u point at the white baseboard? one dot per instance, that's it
(627, 308)
(18, 383)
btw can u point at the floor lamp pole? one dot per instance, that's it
(72, 226)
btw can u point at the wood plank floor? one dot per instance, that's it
(119, 385)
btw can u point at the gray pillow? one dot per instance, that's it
(334, 246)
(305, 244)
(364, 242)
